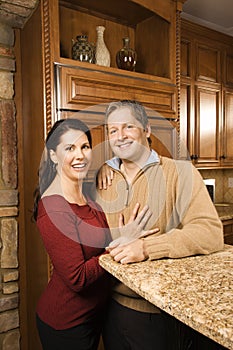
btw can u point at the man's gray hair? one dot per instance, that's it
(136, 108)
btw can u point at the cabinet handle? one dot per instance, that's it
(194, 157)
(223, 157)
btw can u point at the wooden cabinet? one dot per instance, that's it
(87, 92)
(153, 31)
(228, 231)
(206, 97)
(200, 132)
(147, 24)
(227, 128)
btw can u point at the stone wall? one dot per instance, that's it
(13, 14)
(9, 275)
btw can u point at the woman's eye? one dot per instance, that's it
(86, 147)
(70, 148)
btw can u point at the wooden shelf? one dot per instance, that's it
(150, 34)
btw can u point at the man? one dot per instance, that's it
(181, 209)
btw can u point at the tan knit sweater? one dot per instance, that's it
(181, 207)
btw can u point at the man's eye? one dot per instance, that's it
(130, 126)
(112, 132)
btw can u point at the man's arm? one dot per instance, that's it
(199, 232)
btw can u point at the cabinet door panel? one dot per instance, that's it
(227, 151)
(208, 64)
(185, 58)
(186, 132)
(229, 70)
(164, 138)
(207, 126)
(228, 231)
(80, 88)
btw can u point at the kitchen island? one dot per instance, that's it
(197, 290)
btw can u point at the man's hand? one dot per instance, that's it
(129, 252)
(105, 177)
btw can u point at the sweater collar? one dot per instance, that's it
(115, 162)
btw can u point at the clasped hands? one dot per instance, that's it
(129, 247)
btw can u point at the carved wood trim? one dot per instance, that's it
(47, 76)
(178, 72)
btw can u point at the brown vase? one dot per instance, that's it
(82, 50)
(126, 58)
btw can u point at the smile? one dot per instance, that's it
(125, 145)
(79, 166)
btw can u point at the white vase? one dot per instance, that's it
(102, 55)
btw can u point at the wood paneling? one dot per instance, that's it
(79, 88)
(227, 138)
(208, 64)
(186, 147)
(228, 231)
(206, 80)
(185, 58)
(207, 126)
(229, 70)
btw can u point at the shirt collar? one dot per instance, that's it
(115, 162)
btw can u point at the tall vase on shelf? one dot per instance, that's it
(102, 54)
(126, 58)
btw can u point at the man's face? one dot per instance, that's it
(127, 137)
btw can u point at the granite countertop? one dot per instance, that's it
(196, 290)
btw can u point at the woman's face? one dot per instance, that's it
(73, 155)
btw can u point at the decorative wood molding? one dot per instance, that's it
(46, 44)
(178, 81)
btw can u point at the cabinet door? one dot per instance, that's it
(228, 231)
(78, 88)
(78, 91)
(200, 126)
(185, 129)
(164, 137)
(207, 129)
(227, 144)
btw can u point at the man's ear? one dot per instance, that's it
(53, 156)
(148, 130)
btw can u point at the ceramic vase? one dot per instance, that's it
(82, 50)
(102, 54)
(126, 57)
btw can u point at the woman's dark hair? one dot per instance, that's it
(47, 170)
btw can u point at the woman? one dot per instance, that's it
(74, 231)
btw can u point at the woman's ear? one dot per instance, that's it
(53, 156)
(148, 130)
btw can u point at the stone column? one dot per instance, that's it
(9, 274)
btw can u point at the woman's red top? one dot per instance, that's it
(74, 236)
